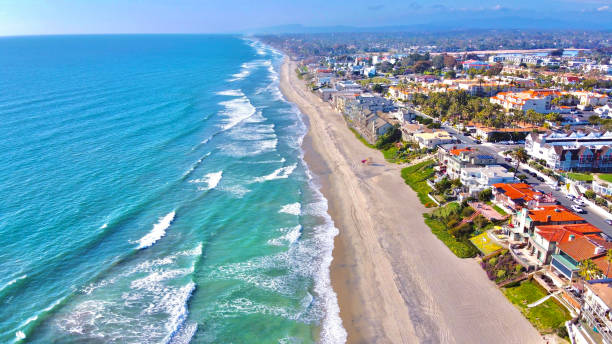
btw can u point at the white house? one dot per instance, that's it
(479, 178)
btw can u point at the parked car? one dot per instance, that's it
(477, 142)
(608, 221)
(579, 202)
(577, 209)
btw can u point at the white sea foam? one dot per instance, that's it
(211, 180)
(156, 292)
(292, 209)
(184, 335)
(280, 173)
(20, 335)
(248, 67)
(13, 281)
(290, 236)
(236, 111)
(104, 226)
(239, 149)
(236, 190)
(195, 165)
(231, 93)
(158, 231)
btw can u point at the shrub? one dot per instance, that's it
(467, 212)
(518, 268)
(461, 231)
(562, 331)
(452, 223)
(590, 194)
(493, 261)
(485, 195)
(480, 221)
(501, 273)
(601, 202)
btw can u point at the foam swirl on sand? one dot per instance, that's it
(158, 231)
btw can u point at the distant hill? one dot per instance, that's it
(500, 22)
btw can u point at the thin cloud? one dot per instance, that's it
(603, 8)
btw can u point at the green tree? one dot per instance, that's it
(609, 260)
(588, 269)
(485, 195)
(590, 194)
(521, 155)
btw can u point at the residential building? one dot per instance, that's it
(601, 187)
(545, 239)
(572, 151)
(590, 98)
(476, 179)
(596, 310)
(456, 157)
(527, 219)
(520, 195)
(570, 253)
(537, 100)
(475, 64)
(431, 140)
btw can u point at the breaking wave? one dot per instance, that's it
(158, 231)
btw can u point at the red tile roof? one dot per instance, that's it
(557, 213)
(582, 248)
(517, 191)
(562, 233)
(459, 150)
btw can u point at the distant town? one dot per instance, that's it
(512, 150)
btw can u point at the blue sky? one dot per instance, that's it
(27, 17)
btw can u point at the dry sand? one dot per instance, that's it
(396, 282)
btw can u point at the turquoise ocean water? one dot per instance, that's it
(152, 191)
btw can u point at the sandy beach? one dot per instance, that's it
(396, 282)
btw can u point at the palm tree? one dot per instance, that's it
(588, 269)
(609, 260)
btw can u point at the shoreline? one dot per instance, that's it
(395, 281)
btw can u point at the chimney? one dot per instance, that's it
(548, 218)
(572, 237)
(599, 250)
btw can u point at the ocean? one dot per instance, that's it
(153, 191)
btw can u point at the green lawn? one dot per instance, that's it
(581, 177)
(488, 246)
(547, 316)
(606, 176)
(498, 209)
(416, 176)
(445, 211)
(459, 248)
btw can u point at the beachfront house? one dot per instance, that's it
(516, 196)
(476, 179)
(569, 254)
(456, 157)
(527, 219)
(596, 313)
(545, 239)
(432, 140)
